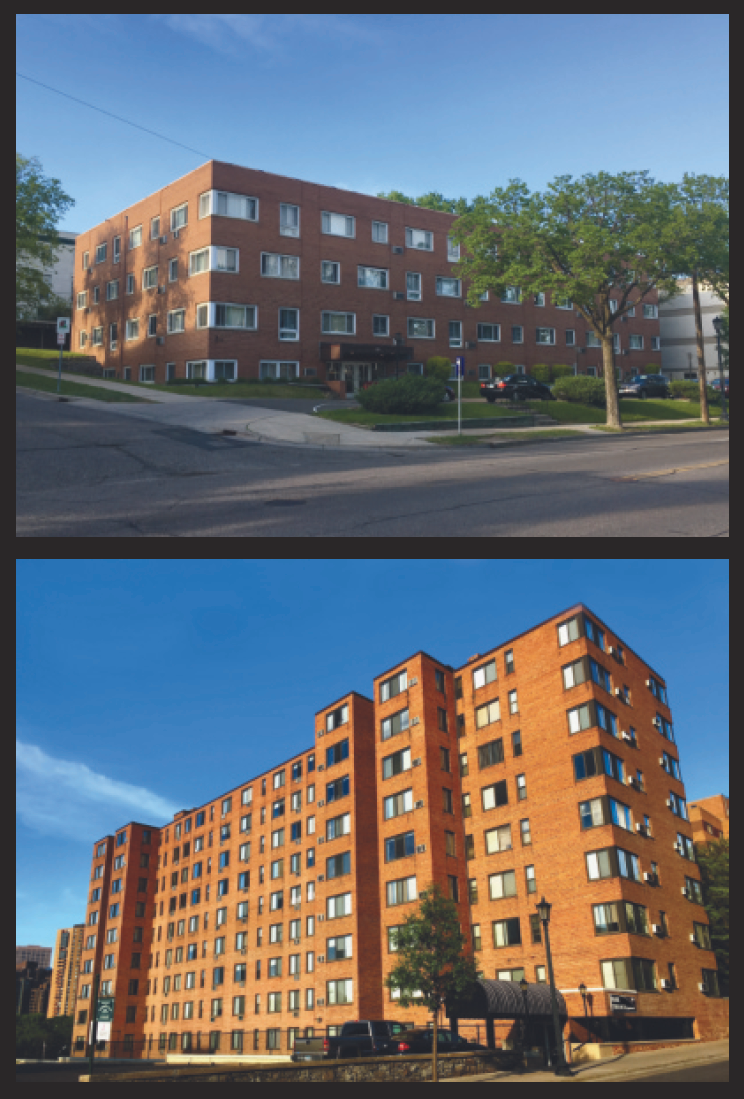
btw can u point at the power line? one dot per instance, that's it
(116, 116)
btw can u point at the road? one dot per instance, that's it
(715, 1072)
(82, 472)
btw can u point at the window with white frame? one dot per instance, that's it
(636, 343)
(176, 321)
(379, 232)
(420, 238)
(344, 323)
(563, 303)
(448, 288)
(380, 326)
(616, 343)
(213, 259)
(631, 312)
(517, 333)
(512, 295)
(96, 337)
(117, 249)
(656, 343)
(489, 333)
(172, 270)
(372, 278)
(613, 305)
(135, 237)
(152, 324)
(570, 337)
(82, 299)
(483, 296)
(225, 204)
(540, 298)
(338, 225)
(112, 290)
(330, 272)
(86, 260)
(593, 340)
(280, 267)
(83, 339)
(289, 220)
(413, 286)
(484, 372)
(225, 259)
(154, 228)
(223, 315)
(651, 312)
(545, 336)
(113, 336)
(96, 294)
(455, 333)
(179, 216)
(130, 284)
(101, 253)
(453, 251)
(420, 329)
(149, 278)
(339, 992)
(278, 370)
(133, 329)
(147, 374)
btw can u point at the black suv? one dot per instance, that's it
(645, 385)
(517, 387)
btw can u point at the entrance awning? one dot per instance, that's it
(505, 1000)
(363, 353)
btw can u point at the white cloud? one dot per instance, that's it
(60, 797)
(266, 32)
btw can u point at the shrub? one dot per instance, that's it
(541, 372)
(438, 367)
(561, 370)
(581, 390)
(690, 391)
(503, 370)
(411, 394)
(653, 368)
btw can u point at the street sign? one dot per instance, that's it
(460, 364)
(63, 325)
(622, 1003)
(105, 1010)
(61, 337)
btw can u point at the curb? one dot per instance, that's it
(679, 1066)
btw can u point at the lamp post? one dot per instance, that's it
(561, 1069)
(524, 986)
(718, 325)
(583, 990)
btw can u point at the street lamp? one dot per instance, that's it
(718, 325)
(524, 986)
(583, 991)
(561, 1069)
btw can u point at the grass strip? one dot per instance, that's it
(664, 428)
(74, 389)
(486, 440)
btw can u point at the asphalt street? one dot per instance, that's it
(82, 472)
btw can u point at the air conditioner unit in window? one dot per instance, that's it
(321, 918)
(666, 984)
(657, 929)
(296, 942)
(419, 805)
(164, 240)
(416, 721)
(321, 733)
(685, 891)
(399, 297)
(618, 692)
(396, 252)
(321, 804)
(627, 736)
(669, 804)
(657, 722)
(321, 877)
(321, 1003)
(175, 234)
(321, 957)
(471, 346)
(421, 850)
(295, 1014)
(160, 340)
(161, 290)
(702, 988)
(321, 839)
(693, 939)
(640, 828)
(649, 877)
(321, 767)
(648, 682)
(417, 763)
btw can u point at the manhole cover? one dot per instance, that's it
(284, 503)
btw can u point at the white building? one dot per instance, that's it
(59, 275)
(679, 358)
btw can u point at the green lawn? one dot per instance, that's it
(446, 412)
(525, 437)
(32, 356)
(241, 391)
(73, 389)
(659, 427)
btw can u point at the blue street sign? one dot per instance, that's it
(460, 364)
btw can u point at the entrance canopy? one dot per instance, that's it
(363, 353)
(505, 1000)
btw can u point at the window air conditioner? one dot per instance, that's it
(321, 1003)
(648, 682)
(627, 736)
(161, 290)
(175, 234)
(164, 240)
(321, 732)
(413, 681)
(657, 721)
(321, 957)
(618, 692)
(160, 340)
(669, 804)
(421, 850)
(321, 839)
(321, 877)
(399, 297)
(657, 928)
(398, 251)
(416, 720)
(296, 942)
(685, 891)
(419, 805)
(295, 1014)
(417, 763)
(693, 939)
(666, 984)
(648, 876)
(701, 988)
(640, 828)
(471, 346)
(321, 918)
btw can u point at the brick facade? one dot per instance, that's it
(67, 952)
(308, 294)
(709, 818)
(444, 727)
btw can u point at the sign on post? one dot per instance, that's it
(63, 328)
(63, 325)
(622, 1003)
(104, 1018)
(460, 365)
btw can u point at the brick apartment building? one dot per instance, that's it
(709, 818)
(546, 766)
(232, 273)
(67, 951)
(42, 955)
(33, 982)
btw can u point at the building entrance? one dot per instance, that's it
(357, 375)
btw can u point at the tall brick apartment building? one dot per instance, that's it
(67, 951)
(547, 766)
(232, 273)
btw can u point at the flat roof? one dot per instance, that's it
(341, 699)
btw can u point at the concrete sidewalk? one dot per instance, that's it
(213, 416)
(623, 1067)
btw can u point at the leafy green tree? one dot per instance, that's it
(540, 372)
(713, 860)
(433, 201)
(431, 959)
(439, 367)
(589, 241)
(503, 369)
(701, 208)
(562, 370)
(653, 368)
(40, 203)
(37, 1036)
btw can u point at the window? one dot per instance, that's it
(678, 805)
(490, 754)
(449, 288)
(420, 329)
(651, 312)
(502, 885)
(447, 801)
(420, 238)
(694, 890)
(338, 225)
(525, 833)
(630, 974)
(180, 216)
(338, 826)
(512, 295)
(636, 343)
(442, 719)
(513, 703)
(289, 220)
(521, 787)
(656, 343)
(135, 237)
(590, 715)
(82, 299)
(84, 338)
(529, 874)
(154, 228)
(339, 323)
(393, 686)
(337, 789)
(612, 862)
(132, 330)
(464, 769)
(444, 759)
(152, 325)
(280, 267)
(517, 333)
(483, 675)
(373, 278)
(380, 326)
(338, 865)
(702, 935)
(338, 906)
(506, 933)
(455, 334)
(395, 724)
(489, 333)
(401, 892)
(710, 982)
(488, 714)
(289, 324)
(494, 796)
(545, 336)
(396, 763)
(112, 290)
(330, 272)
(339, 992)
(97, 337)
(379, 232)
(397, 804)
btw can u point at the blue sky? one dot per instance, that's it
(451, 103)
(145, 687)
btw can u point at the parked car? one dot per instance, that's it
(419, 1040)
(717, 386)
(517, 387)
(644, 386)
(363, 1038)
(449, 393)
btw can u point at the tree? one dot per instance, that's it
(702, 234)
(438, 367)
(431, 961)
(433, 201)
(40, 203)
(38, 1036)
(589, 241)
(713, 860)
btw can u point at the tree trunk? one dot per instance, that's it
(704, 411)
(613, 403)
(434, 1076)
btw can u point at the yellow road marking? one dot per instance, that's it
(670, 472)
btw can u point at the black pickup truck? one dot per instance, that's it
(365, 1038)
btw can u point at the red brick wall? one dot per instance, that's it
(310, 295)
